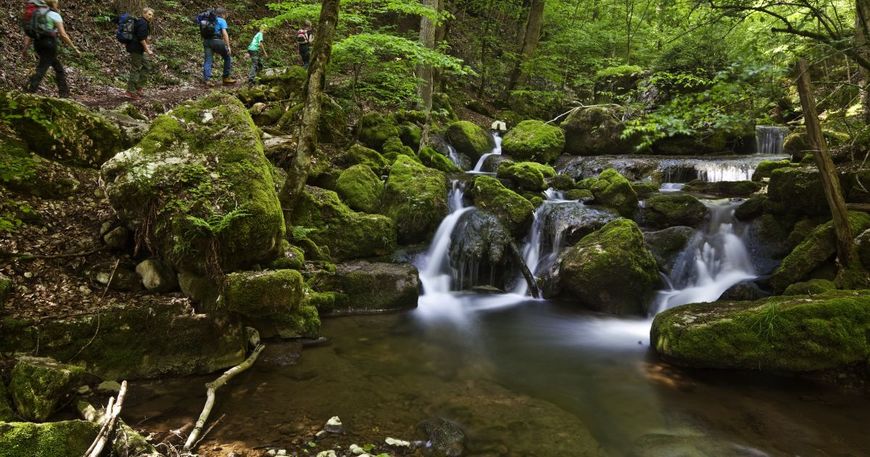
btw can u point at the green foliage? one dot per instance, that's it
(619, 70)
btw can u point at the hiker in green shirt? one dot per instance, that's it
(254, 50)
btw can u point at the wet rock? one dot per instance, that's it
(666, 245)
(595, 131)
(669, 210)
(334, 425)
(118, 238)
(527, 176)
(612, 189)
(583, 195)
(481, 252)
(6, 412)
(765, 168)
(434, 159)
(514, 211)
(610, 270)
(39, 385)
(446, 438)
(724, 188)
(367, 286)
(750, 209)
(157, 276)
(566, 224)
(270, 301)
(469, 139)
(744, 291)
(534, 141)
(633, 168)
(56, 439)
(415, 198)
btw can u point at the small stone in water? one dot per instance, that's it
(333, 425)
(397, 443)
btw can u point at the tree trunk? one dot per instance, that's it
(425, 76)
(532, 36)
(307, 143)
(827, 171)
(862, 30)
(133, 7)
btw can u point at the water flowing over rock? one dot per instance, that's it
(769, 139)
(469, 139)
(667, 244)
(482, 253)
(665, 169)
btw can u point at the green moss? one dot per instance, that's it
(260, 294)
(796, 144)
(596, 130)
(323, 301)
(798, 191)
(563, 182)
(610, 270)
(766, 167)
(811, 287)
(790, 334)
(583, 195)
(367, 286)
(393, 148)
(39, 384)
(613, 190)
(30, 174)
(644, 189)
(375, 129)
(360, 188)
(415, 198)
(514, 211)
(724, 188)
(54, 439)
(534, 140)
(469, 139)
(410, 133)
(751, 208)
(6, 412)
(814, 251)
(530, 176)
(293, 258)
(433, 159)
(362, 155)
(668, 210)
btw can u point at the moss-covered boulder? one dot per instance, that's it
(514, 211)
(610, 270)
(780, 334)
(798, 191)
(667, 244)
(612, 189)
(470, 139)
(360, 188)
(797, 144)
(434, 159)
(817, 249)
(199, 188)
(31, 174)
(374, 129)
(60, 129)
(40, 384)
(6, 412)
(765, 168)
(359, 154)
(596, 130)
(393, 148)
(535, 141)
(367, 286)
(270, 301)
(751, 208)
(285, 83)
(54, 439)
(527, 176)
(811, 287)
(415, 198)
(347, 233)
(482, 249)
(723, 188)
(668, 210)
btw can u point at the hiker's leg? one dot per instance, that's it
(228, 63)
(46, 56)
(206, 67)
(134, 82)
(60, 76)
(255, 64)
(147, 72)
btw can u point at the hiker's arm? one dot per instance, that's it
(147, 47)
(263, 50)
(66, 39)
(26, 46)
(226, 37)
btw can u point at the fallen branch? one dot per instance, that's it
(29, 256)
(113, 410)
(212, 387)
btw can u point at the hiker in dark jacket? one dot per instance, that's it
(45, 43)
(304, 38)
(140, 66)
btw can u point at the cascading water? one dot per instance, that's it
(714, 260)
(769, 138)
(453, 155)
(478, 167)
(434, 266)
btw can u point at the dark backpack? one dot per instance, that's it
(126, 28)
(207, 21)
(34, 21)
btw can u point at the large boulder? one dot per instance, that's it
(132, 341)
(374, 129)
(514, 211)
(666, 245)
(434, 159)
(40, 384)
(612, 189)
(610, 270)
(527, 176)
(360, 188)
(70, 438)
(199, 188)
(781, 334)
(668, 210)
(359, 154)
(270, 301)
(723, 188)
(797, 191)
(347, 233)
(415, 198)
(596, 130)
(60, 129)
(31, 174)
(818, 248)
(535, 141)
(469, 139)
(797, 144)
(482, 252)
(362, 286)
(765, 168)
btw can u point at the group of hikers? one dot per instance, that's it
(44, 29)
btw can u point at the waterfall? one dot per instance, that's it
(769, 138)
(496, 151)
(714, 260)
(434, 266)
(453, 155)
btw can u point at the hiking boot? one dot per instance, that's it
(229, 81)
(132, 95)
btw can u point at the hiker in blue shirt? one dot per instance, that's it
(218, 44)
(254, 50)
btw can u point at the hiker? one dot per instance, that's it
(254, 49)
(216, 40)
(43, 25)
(304, 37)
(134, 33)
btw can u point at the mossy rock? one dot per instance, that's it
(750, 209)
(277, 84)
(529, 176)
(811, 287)
(434, 159)
(534, 141)
(261, 293)
(514, 211)
(374, 129)
(360, 188)
(668, 210)
(797, 144)
(667, 244)
(644, 189)
(415, 198)
(610, 270)
(563, 182)
(292, 258)
(817, 249)
(863, 243)
(359, 154)
(367, 286)
(40, 384)
(61, 130)
(54, 439)
(30, 174)
(798, 191)
(765, 168)
(723, 188)
(596, 130)
(393, 148)
(612, 189)
(470, 139)
(347, 233)
(201, 188)
(583, 195)
(6, 411)
(411, 134)
(792, 334)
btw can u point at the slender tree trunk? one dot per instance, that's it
(133, 7)
(830, 179)
(532, 36)
(307, 143)
(425, 76)
(862, 30)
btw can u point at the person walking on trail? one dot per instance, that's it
(304, 37)
(43, 28)
(218, 43)
(254, 50)
(138, 46)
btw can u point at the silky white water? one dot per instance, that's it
(496, 151)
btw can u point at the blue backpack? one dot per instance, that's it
(207, 21)
(126, 28)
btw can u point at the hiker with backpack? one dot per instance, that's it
(254, 49)
(304, 37)
(134, 32)
(43, 25)
(215, 40)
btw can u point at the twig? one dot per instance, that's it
(113, 410)
(29, 256)
(99, 314)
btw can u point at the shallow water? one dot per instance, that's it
(531, 378)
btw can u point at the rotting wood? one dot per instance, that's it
(110, 421)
